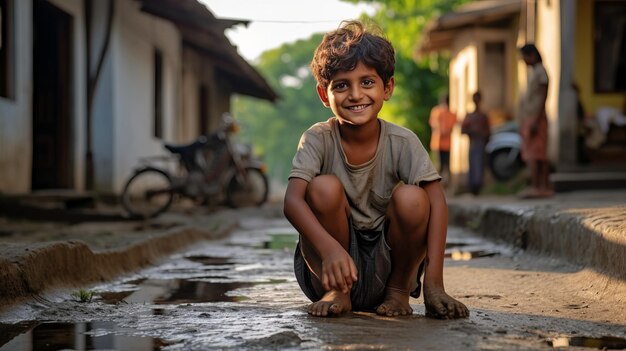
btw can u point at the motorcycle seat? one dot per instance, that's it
(187, 148)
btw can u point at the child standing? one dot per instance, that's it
(476, 126)
(363, 193)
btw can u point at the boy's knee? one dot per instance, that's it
(410, 204)
(325, 192)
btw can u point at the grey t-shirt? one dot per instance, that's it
(400, 157)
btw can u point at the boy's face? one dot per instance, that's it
(356, 96)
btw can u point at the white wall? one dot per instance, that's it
(16, 114)
(134, 39)
(196, 71)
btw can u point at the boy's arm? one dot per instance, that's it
(437, 231)
(337, 268)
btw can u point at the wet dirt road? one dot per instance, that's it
(240, 293)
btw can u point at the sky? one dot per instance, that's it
(275, 22)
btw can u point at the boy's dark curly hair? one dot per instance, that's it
(342, 49)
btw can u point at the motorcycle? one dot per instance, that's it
(504, 152)
(211, 170)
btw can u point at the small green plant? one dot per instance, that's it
(83, 295)
(473, 224)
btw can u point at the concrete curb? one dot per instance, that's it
(44, 266)
(590, 237)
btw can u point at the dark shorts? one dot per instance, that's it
(371, 255)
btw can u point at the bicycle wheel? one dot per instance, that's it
(253, 192)
(147, 193)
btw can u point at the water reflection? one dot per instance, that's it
(465, 250)
(603, 343)
(177, 291)
(458, 255)
(76, 336)
(199, 291)
(455, 250)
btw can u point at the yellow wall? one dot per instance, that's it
(583, 62)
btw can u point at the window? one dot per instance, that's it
(7, 70)
(158, 94)
(610, 46)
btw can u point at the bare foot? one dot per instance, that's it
(442, 306)
(333, 303)
(396, 303)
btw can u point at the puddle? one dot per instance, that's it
(177, 291)
(603, 343)
(458, 255)
(197, 291)
(450, 245)
(210, 260)
(455, 250)
(465, 249)
(74, 336)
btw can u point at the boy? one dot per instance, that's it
(476, 126)
(363, 193)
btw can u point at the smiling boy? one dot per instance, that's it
(363, 194)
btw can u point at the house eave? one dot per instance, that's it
(440, 33)
(204, 33)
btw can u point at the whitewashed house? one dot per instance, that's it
(87, 87)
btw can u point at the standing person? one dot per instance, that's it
(476, 126)
(363, 193)
(442, 121)
(534, 125)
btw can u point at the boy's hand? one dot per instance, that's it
(338, 270)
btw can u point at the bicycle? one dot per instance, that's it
(211, 170)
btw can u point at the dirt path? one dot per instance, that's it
(240, 293)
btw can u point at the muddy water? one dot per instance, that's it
(82, 336)
(240, 293)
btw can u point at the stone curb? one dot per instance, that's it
(46, 266)
(593, 238)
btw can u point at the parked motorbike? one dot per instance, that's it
(210, 170)
(504, 151)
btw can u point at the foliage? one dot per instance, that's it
(83, 295)
(274, 130)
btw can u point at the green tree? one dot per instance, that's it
(275, 130)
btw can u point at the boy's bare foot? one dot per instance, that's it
(333, 303)
(441, 305)
(396, 303)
